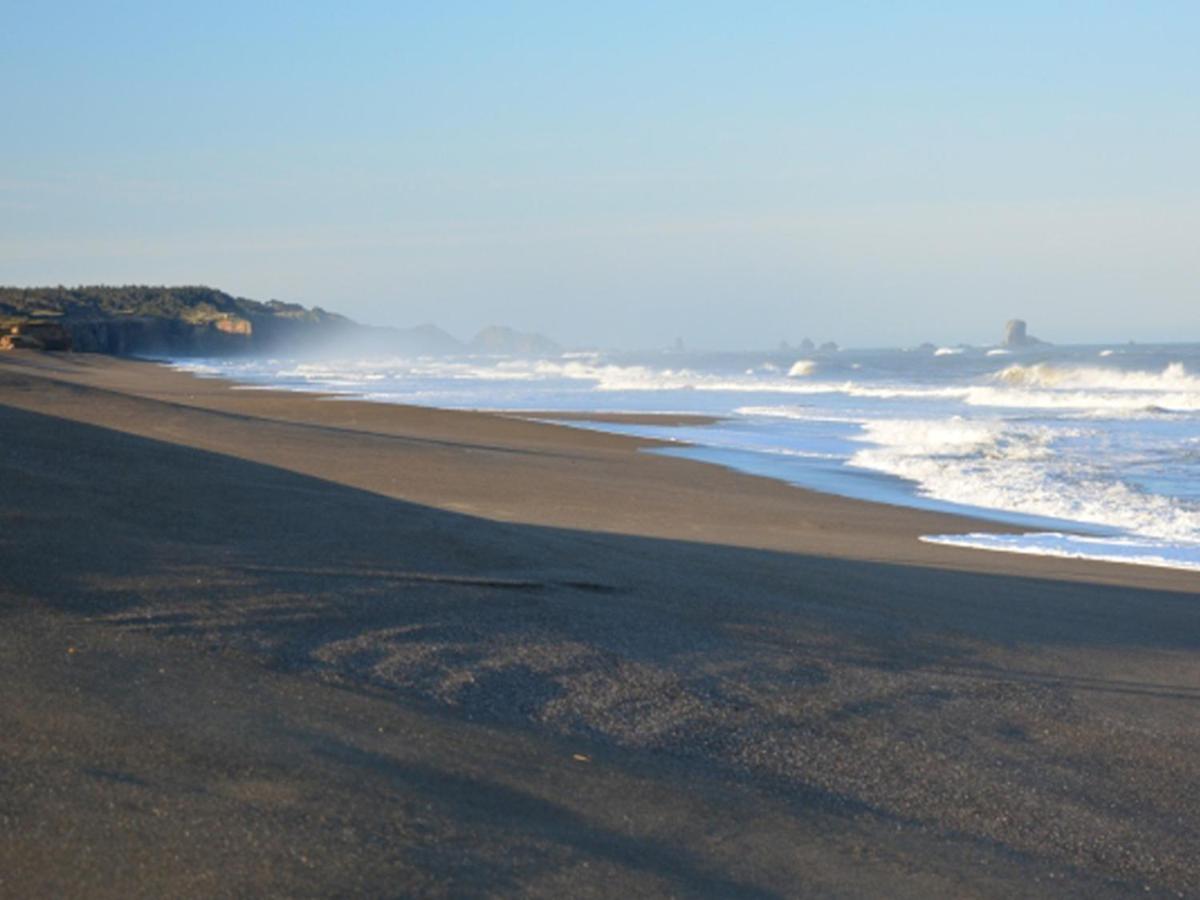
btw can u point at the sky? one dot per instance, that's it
(621, 174)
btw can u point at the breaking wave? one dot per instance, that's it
(1019, 468)
(1044, 386)
(1174, 378)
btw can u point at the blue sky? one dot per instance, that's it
(735, 174)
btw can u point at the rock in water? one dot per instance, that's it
(1015, 335)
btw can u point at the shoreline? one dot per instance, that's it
(261, 643)
(221, 395)
(660, 419)
(1045, 534)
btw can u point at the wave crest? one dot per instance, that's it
(1174, 378)
(1016, 466)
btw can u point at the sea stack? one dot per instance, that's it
(1016, 335)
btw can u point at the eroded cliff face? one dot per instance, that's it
(170, 337)
(234, 326)
(124, 337)
(150, 321)
(35, 336)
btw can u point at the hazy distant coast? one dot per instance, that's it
(186, 321)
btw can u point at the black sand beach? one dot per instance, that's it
(259, 643)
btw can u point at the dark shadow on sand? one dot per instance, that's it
(491, 621)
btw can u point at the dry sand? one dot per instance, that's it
(259, 643)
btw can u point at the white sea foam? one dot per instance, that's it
(1044, 386)
(799, 413)
(1073, 546)
(1017, 467)
(1116, 401)
(1039, 386)
(613, 377)
(948, 351)
(1036, 387)
(1173, 378)
(887, 392)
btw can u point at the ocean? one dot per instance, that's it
(1094, 451)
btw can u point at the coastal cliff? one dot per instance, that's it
(173, 321)
(203, 321)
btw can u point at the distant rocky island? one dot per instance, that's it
(204, 321)
(809, 346)
(1016, 335)
(500, 339)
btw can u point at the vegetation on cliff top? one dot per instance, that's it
(203, 321)
(193, 305)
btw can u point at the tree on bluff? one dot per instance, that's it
(189, 303)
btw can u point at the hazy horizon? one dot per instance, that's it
(877, 175)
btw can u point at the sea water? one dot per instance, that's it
(1094, 450)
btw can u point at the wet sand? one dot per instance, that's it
(268, 643)
(665, 420)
